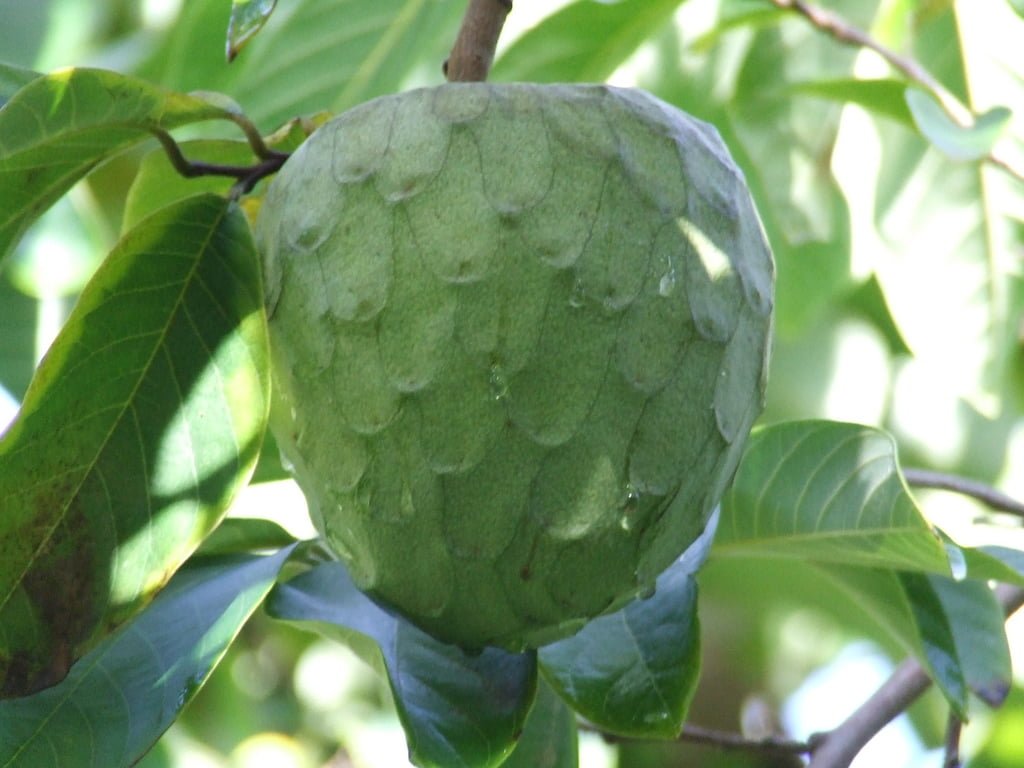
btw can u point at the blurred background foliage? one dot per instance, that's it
(899, 305)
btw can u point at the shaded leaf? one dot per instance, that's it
(118, 699)
(13, 79)
(142, 422)
(59, 126)
(457, 709)
(17, 342)
(883, 97)
(634, 672)
(550, 738)
(826, 492)
(959, 142)
(247, 18)
(584, 42)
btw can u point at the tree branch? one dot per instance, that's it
(473, 52)
(727, 740)
(844, 32)
(837, 748)
(925, 478)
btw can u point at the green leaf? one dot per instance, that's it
(634, 672)
(245, 534)
(550, 738)
(954, 628)
(58, 127)
(957, 141)
(118, 699)
(142, 422)
(157, 184)
(13, 79)
(322, 54)
(883, 97)
(1018, 6)
(457, 709)
(247, 18)
(17, 342)
(868, 301)
(826, 492)
(584, 42)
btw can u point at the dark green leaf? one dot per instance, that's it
(17, 342)
(13, 79)
(938, 648)
(118, 699)
(959, 142)
(826, 492)
(883, 97)
(58, 127)
(868, 301)
(633, 672)
(142, 422)
(245, 534)
(549, 739)
(457, 709)
(584, 42)
(247, 18)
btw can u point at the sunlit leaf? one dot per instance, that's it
(883, 97)
(826, 492)
(584, 42)
(457, 709)
(550, 738)
(58, 127)
(868, 301)
(245, 534)
(118, 699)
(143, 420)
(247, 18)
(319, 54)
(633, 672)
(960, 142)
(1018, 6)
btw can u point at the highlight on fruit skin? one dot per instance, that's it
(520, 335)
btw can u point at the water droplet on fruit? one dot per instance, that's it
(667, 284)
(630, 505)
(577, 296)
(498, 382)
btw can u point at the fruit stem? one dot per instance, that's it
(473, 53)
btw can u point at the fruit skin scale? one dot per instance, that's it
(520, 336)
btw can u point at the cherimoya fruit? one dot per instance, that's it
(520, 337)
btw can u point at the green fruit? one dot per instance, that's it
(520, 337)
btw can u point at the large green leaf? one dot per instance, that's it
(457, 709)
(584, 42)
(17, 342)
(826, 492)
(314, 55)
(883, 97)
(13, 79)
(58, 127)
(119, 698)
(144, 419)
(550, 738)
(634, 672)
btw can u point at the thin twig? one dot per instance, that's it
(247, 175)
(473, 52)
(844, 32)
(926, 478)
(726, 740)
(954, 728)
(838, 747)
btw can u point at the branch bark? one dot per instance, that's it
(844, 32)
(837, 748)
(925, 478)
(473, 53)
